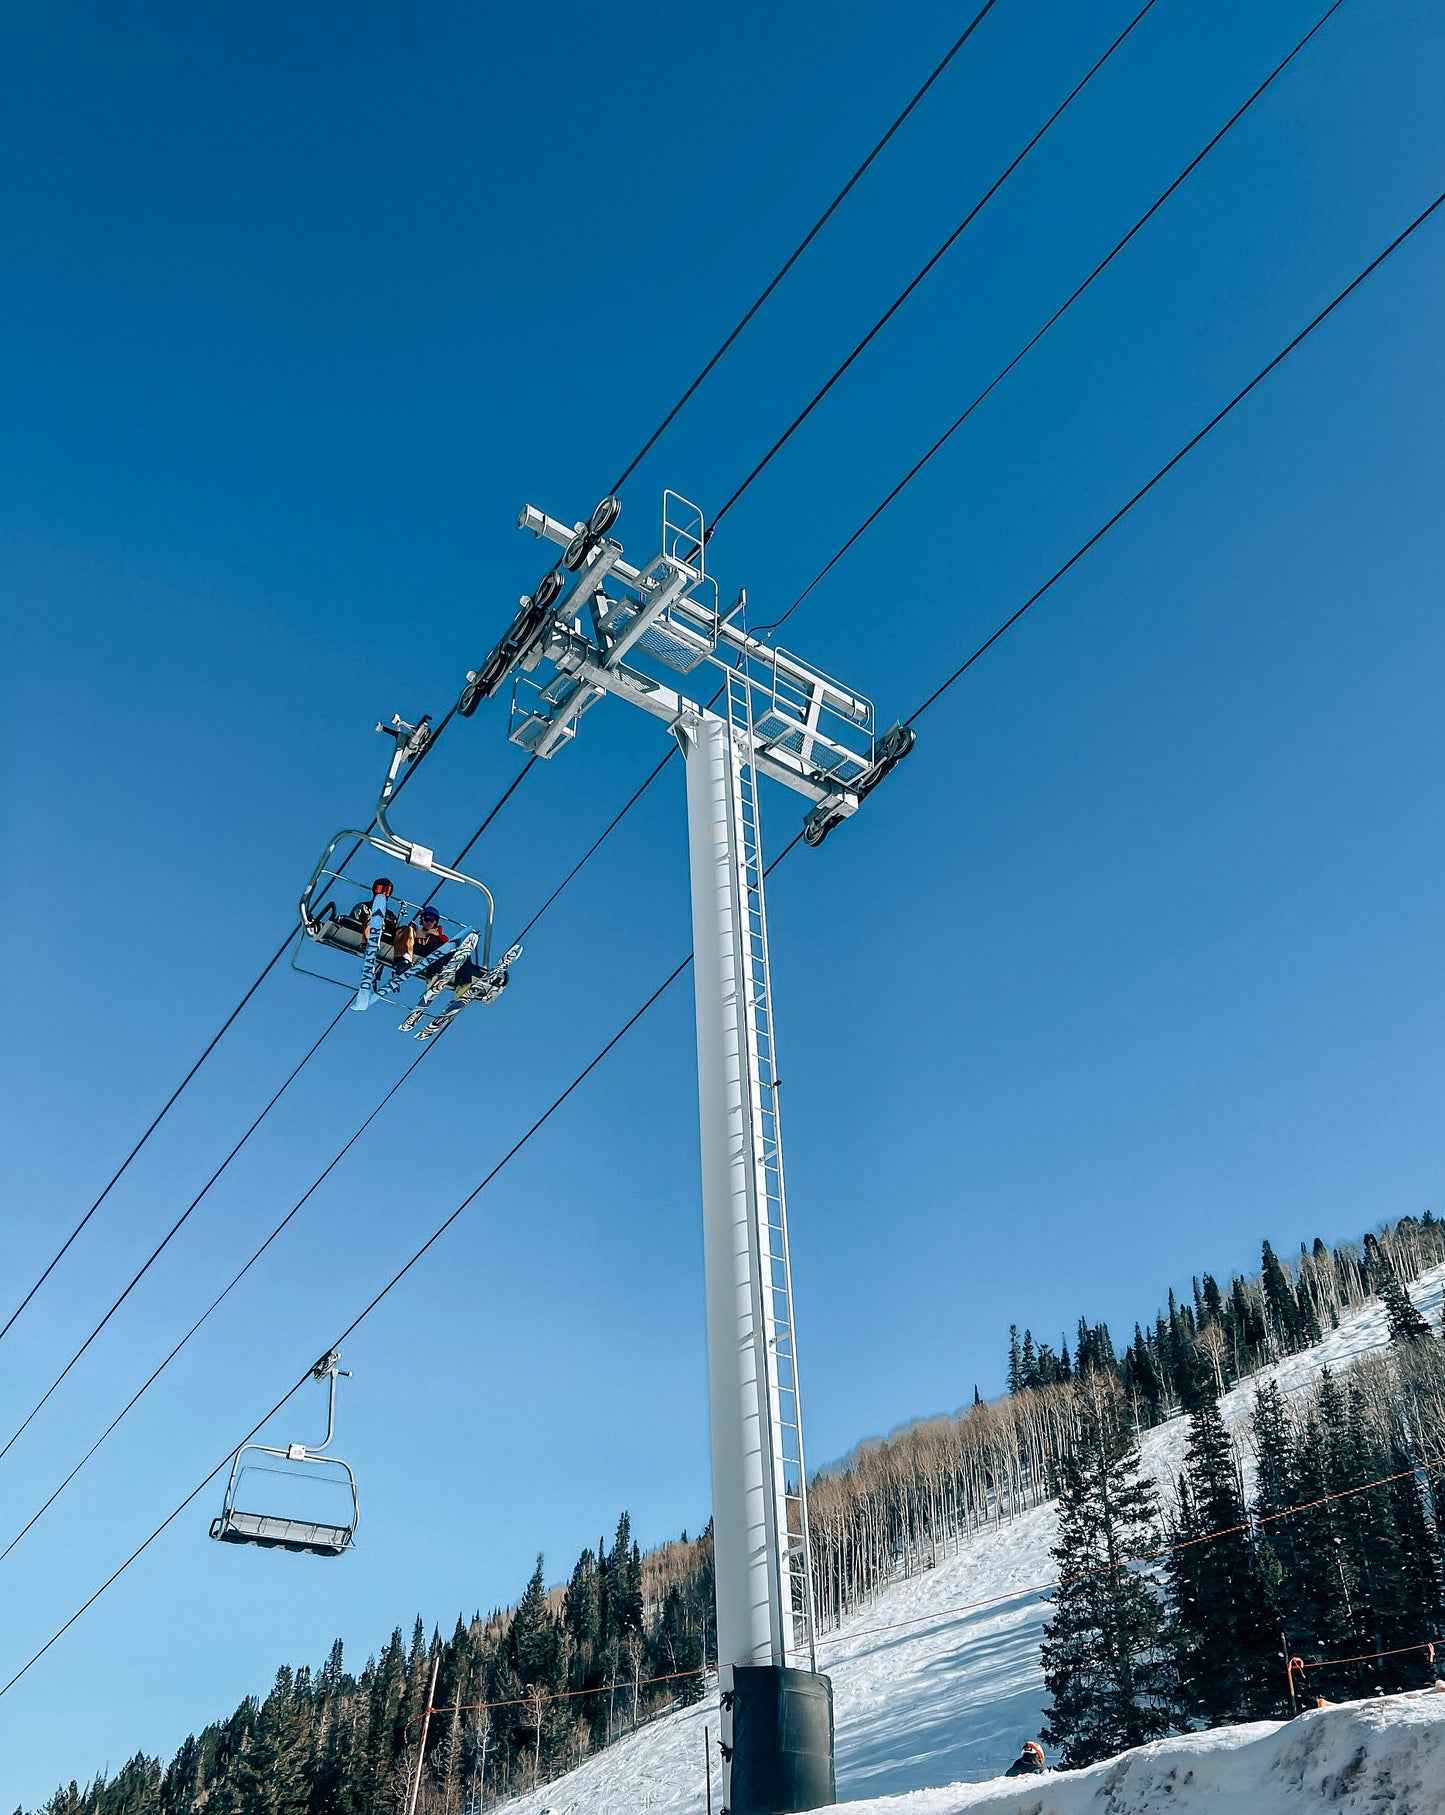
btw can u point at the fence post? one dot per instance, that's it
(425, 1724)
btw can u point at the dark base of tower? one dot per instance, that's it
(782, 1741)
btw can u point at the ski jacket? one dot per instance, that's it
(427, 937)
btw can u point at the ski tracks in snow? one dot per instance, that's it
(928, 1698)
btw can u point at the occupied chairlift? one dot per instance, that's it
(368, 929)
(272, 1531)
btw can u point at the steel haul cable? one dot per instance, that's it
(394, 1281)
(993, 384)
(215, 1303)
(1170, 464)
(506, 795)
(210, 1047)
(787, 266)
(1322, 316)
(736, 495)
(802, 246)
(161, 1114)
(531, 761)
(174, 1230)
(915, 281)
(286, 1219)
(256, 1255)
(1057, 315)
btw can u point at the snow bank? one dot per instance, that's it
(930, 1688)
(1372, 1755)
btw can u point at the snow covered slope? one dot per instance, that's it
(933, 1689)
(1373, 1755)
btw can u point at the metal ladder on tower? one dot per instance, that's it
(773, 1303)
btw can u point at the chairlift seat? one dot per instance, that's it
(303, 1537)
(347, 936)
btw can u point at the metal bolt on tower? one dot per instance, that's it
(784, 719)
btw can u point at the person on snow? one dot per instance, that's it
(1029, 1762)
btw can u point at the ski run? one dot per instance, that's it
(935, 1693)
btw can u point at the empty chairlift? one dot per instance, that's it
(315, 1513)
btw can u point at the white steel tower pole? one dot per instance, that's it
(760, 1520)
(750, 1616)
(635, 633)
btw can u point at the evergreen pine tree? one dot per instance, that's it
(1305, 1526)
(1281, 1303)
(1406, 1323)
(533, 1643)
(1142, 1377)
(1390, 1577)
(624, 1579)
(1223, 1630)
(1102, 1650)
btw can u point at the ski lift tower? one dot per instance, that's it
(597, 625)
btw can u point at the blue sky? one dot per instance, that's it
(1136, 961)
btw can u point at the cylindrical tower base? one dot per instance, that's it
(782, 1741)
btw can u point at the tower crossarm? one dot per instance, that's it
(615, 625)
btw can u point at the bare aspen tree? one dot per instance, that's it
(536, 1719)
(636, 1652)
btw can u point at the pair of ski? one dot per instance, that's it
(485, 987)
(371, 962)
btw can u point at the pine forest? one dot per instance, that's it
(1178, 1604)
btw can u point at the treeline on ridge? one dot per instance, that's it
(1211, 1604)
(900, 1503)
(526, 1693)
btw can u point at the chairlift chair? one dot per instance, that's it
(272, 1531)
(365, 931)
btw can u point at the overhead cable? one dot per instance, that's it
(391, 1284)
(963, 667)
(210, 1047)
(224, 1293)
(173, 1231)
(311, 1189)
(912, 473)
(316, 1183)
(160, 1116)
(235, 1151)
(1169, 465)
(1058, 313)
(802, 246)
(918, 278)
(787, 266)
